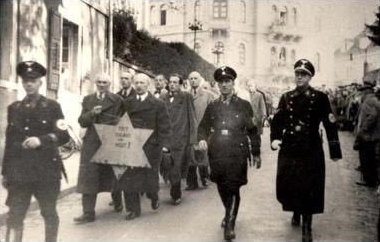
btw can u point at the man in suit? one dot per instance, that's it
(160, 84)
(301, 162)
(127, 90)
(145, 112)
(198, 159)
(184, 122)
(32, 165)
(102, 107)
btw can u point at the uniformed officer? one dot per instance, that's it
(32, 165)
(226, 123)
(301, 163)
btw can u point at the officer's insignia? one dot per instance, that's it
(62, 124)
(332, 118)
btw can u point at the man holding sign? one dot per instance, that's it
(145, 112)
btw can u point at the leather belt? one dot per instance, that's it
(228, 131)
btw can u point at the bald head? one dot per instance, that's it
(141, 82)
(195, 79)
(103, 82)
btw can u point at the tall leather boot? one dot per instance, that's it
(229, 229)
(51, 231)
(13, 235)
(306, 228)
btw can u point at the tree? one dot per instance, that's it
(374, 30)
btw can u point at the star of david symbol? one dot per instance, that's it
(122, 146)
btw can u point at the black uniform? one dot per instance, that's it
(225, 128)
(33, 171)
(301, 163)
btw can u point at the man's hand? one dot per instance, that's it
(202, 145)
(5, 183)
(96, 110)
(257, 161)
(31, 143)
(276, 144)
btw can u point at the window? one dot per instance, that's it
(282, 57)
(69, 56)
(243, 12)
(273, 56)
(220, 9)
(163, 15)
(197, 10)
(294, 16)
(241, 54)
(218, 33)
(218, 51)
(283, 16)
(292, 57)
(153, 15)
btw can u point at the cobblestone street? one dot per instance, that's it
(350, 211)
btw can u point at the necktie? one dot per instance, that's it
(195, 91)
(101, 96)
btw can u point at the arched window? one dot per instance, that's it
(197, 10)
(163, 12)
(197, 47)
(294, 13)
(275, 14)
(241, 54)
(220, 9)
(283, 16)
(282, 57)
(318, 62)
(273, 56)
(243, 10)
(153, 15)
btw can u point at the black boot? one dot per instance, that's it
(306, 228)
(229, 229)
(296, 219)
(13, 234)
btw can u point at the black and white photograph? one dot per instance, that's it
(190, 120)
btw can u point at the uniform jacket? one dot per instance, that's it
(301, 163)
(124, 95)
(41, 164)
(225, 127)
(369, 120)
(148, 114)
(95, 177)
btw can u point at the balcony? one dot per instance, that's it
(283, 33)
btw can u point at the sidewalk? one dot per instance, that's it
(72, 167)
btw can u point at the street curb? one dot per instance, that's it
(34, 204)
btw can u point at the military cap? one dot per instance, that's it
(30, 69)
(304, 66)
(224, 72)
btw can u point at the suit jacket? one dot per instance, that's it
(148, 114)
(201, 99)
(124, 96)
(369, 120)
(259, 110)
(95, 177)
(44, 163)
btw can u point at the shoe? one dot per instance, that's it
(229, 229)
(118, 208)
(204, 182)
(296, 219)
(177, 201)
(84, 218)
(155, 204)
(132, 215)
(360, 183)
(223, 224)
(190, 188)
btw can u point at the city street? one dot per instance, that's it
(350, 211)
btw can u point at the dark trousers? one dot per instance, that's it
(132, 202)
(231, 200)
(367, 156)
(116, 198)
(88, 203)
(192, 177)
(175, 190)
(18, 200)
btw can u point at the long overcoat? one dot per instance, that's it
(151, 113)
(30, 165)
(301, 162)
(225, 127)
(94, 177)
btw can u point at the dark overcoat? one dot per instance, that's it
(30, 165)
(93, 177)
(225, 127)
(148, 114)
(301, 162)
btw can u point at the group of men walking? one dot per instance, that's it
(191, 130)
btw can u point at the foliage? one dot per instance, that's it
(139, 48)
(374, 29)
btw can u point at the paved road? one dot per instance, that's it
(350, 211)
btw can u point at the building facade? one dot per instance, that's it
(260, 39)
